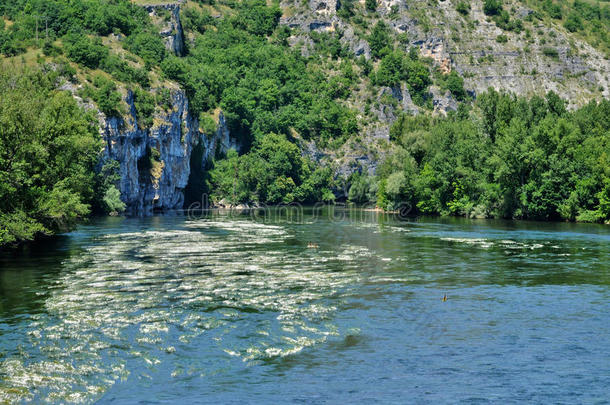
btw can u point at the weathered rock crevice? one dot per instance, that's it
(171, 30)
(156, 163)
(162, 167)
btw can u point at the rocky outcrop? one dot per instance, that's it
(155, 163)
(443, 102)
(167, 16)
(473, 45)
(324, 7)
(435, 48)
(540, 58)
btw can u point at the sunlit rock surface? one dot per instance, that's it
(155, 163)
(171, 29)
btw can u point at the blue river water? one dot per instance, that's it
(341, 308)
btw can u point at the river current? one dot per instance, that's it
(337, 307)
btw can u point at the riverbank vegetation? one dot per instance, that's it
(503, 157)
(284, 92)
(48, 151)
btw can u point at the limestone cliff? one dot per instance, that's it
(167, 17)
(540, 58)
(155, 163)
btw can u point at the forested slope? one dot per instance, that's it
(380, 102)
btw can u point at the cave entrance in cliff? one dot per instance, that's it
(196, 190)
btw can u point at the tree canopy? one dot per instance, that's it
(509, 157)
(48, 148)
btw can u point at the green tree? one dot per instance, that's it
(255, 17)
(379, 40)
(392, 69)
(272, 172)
(86, 51)
(112, 200)
(573, 23)
(48, 149)
(455, 84)
(492, 7)
(148, 46)
(359, 188)
(463, 7)
(346, 9)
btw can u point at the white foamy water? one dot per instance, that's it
(139, 296)
(230, 310)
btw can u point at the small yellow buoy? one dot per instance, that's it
(444, 297)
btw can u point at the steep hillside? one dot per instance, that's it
(529, 54)
(261, 102)
(516, 47)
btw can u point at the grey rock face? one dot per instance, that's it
(469, 46)
(387, 112)
(155, 163)
(523, 12)
(172, 31)
(176, 41)
(362, 48)
(322, 17)
(443, 102)
(324, 7)
(404, 97)
(357, 45)
(318, 25)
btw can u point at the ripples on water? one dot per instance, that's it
(216, 308)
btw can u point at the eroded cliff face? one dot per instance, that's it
(155, 163)
(469, 45)
(167, 17)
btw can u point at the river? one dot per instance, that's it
(336, 307)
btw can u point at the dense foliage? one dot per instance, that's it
(48, 149)
(396, 67)
(273, 172)
(262, 86)
(497, 156)
(77, 26)
(50, 19)
(587, 19)
(509, 157)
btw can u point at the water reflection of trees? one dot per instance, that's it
(28, 272)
